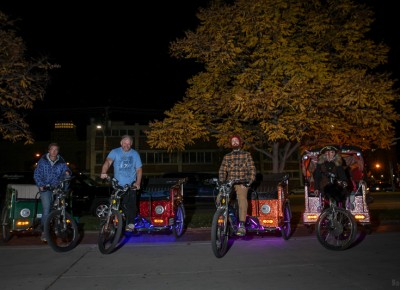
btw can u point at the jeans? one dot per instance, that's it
(129, 205)
(46, 198)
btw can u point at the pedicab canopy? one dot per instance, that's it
(353, 161)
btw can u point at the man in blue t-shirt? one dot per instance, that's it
(127, 170)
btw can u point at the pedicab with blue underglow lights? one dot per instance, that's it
(161, 206)
(268, 210)
(356, 200)
(160, 209)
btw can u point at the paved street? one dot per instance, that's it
(254, 262)
(160, 261)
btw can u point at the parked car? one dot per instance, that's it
(87, 195)
(381, 186)
(197, 187)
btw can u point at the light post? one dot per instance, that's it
(100, 127)
(379, 170)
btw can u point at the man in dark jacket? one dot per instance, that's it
(51, 168)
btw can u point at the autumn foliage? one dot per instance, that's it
(283, 75)
(22, 82)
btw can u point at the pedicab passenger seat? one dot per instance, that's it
(24, 191)
(160, 188)
(268, 187)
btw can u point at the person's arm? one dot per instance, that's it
(252, 169)
(222, 170)
(105, 168)
(38, 176)
(138, 181)
(67, 170)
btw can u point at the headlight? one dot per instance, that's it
(25, 212)
(265, 209)
(159, 209)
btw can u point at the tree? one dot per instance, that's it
(22, 82)
(282, 74)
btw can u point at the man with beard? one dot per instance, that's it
(239, 164)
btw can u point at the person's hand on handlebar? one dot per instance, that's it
(104, 176)
(135, 186)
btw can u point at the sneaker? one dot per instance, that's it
(130, 228)
(241, 231)
(43, 238)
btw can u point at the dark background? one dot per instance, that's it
(115, 55)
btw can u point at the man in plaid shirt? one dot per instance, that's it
(239, 164)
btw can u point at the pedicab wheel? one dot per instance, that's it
(110, 232)
(219, 233)
(336, 229)
(179, 221)
(6, 229)
(61, 232)
(286, 228)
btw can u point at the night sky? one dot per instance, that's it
(117, 54)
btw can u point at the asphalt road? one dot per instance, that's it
(161, 261)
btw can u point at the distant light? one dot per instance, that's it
(99, 127)
(64, 125)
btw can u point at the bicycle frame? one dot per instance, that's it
(115, 199)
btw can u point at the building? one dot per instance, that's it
(88, 155)
(202, 157)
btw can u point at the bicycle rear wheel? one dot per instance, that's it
(286, 228)
(61, 231)
(179, 221)
(220, 233)
(110, 232)
(336, 229)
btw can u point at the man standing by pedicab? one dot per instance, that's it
(50, 170)
(127, 170)
(239, 164)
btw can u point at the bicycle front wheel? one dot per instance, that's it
(336, 229)
(220, 233)
(6, 228)
(61, 231)
(110, 232)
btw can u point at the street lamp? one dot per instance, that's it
(100, 127)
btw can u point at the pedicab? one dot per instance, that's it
(22, 211)
(22, 214)
(161, 206)
(356, 201)
(268, 210)
(160, 209)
